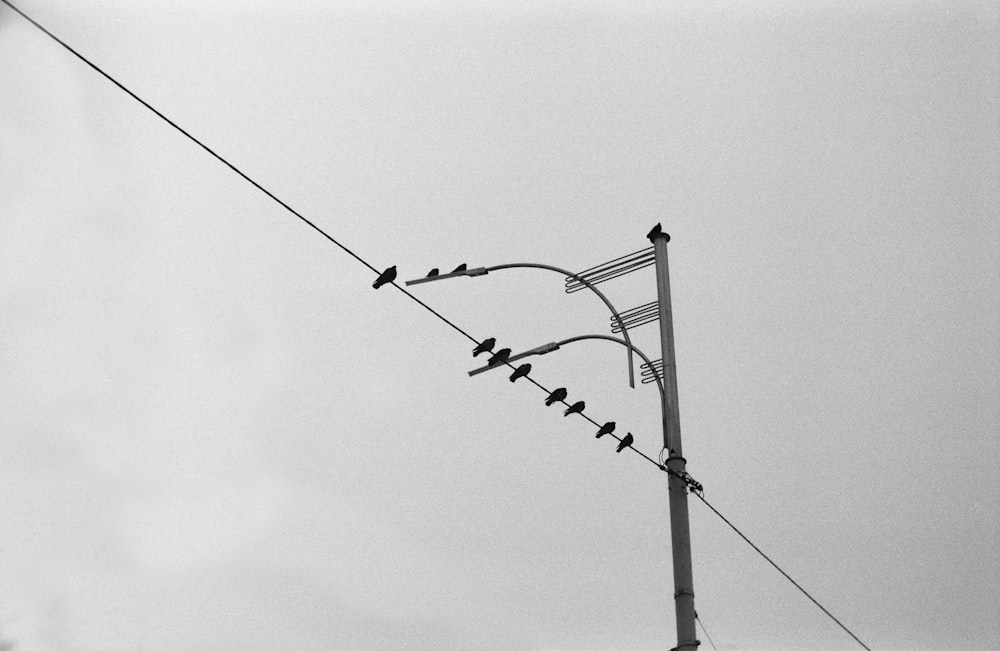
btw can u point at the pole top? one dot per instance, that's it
(657, 232)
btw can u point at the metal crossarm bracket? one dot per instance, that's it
(478, 271)
(612, 269)
(637, 316)
(652, 372)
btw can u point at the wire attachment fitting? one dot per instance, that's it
(689, 481)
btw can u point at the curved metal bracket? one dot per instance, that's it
(614, 313)
(627, 344)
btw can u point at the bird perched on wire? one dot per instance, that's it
(433, 272)
(556, 396)
(461, 267)
(625, 442)
(575, 408)
(520, 371)
(499, 357)
(484, 347)
(385, 277)
(658, 229)
(606, 428)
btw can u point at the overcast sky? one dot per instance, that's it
(215, 434)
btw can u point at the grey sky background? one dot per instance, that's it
(215, 434)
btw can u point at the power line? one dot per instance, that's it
(688, 480)
(704, 630)
(775, 565)
(188, 135)
(272, 196)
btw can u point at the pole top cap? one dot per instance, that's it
(657, 232)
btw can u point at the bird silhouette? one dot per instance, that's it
(499, 357)
(485, 347)
(433, 272)
(385, 277)
(575, 408)
(625, 442)
(556, 396)
(461, 267)
(606, 428)
(656, 231)
(520, 371)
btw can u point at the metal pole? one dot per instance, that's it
(680, 532)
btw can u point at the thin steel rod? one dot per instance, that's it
(613, 269)
(610, 275)
(638, 316)
(635, 324)
(647, 250)
(645, 256)
(651, 306)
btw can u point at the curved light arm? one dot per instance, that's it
(588, 285)
(632, 349)
(482, 271)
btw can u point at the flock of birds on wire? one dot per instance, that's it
(389, 275)
(501, 356)
(558, 395)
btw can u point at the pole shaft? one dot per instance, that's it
(680, 532)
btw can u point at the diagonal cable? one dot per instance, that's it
(376, 271)
(271, 195)
(775, 565)
(705, 630)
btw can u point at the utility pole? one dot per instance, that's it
(678, 479)
(680, 531)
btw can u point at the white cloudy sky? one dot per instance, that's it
(215, 434)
